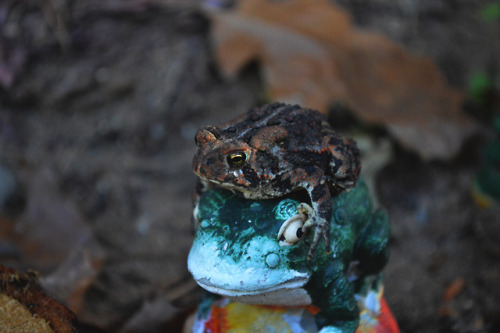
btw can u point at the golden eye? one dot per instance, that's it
(236, 160)
(291, 230)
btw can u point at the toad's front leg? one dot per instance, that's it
(319, 216)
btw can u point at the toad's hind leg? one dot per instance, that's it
(319, 217)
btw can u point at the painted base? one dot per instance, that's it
(225, 316)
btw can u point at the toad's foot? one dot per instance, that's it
(321, 228)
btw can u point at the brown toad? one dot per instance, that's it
(275, 150)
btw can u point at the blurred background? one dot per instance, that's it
(100, 101)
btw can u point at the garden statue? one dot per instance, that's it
(273, 184)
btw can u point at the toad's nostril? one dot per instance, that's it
(272, 260)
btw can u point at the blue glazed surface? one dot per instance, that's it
(236, 253)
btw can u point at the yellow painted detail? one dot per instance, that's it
(243, 318)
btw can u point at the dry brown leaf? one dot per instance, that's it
(454, 289)
(53, 237)
(51, 225)
(24, 307)
(311, 54)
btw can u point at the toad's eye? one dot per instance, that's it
(291, 230)
(236, 160)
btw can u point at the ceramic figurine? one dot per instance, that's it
(254, 252)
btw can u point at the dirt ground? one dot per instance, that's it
(99, 104)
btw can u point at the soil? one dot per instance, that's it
(99, 104)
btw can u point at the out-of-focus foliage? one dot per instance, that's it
(479, 84)
(490, 12)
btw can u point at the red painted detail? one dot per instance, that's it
(386, 322)
(311, 308)
(217, 322)
(320, 200)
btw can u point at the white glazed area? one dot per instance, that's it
(248, 279)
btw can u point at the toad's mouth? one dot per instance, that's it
(288, 293)
(266, 192)
(210, 182)
(294, 283)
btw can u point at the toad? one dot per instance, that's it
(275, 150)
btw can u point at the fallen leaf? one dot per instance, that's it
(311, 54)
(51, 225)
(76, 274)
(151, 316)
(55, 239)
(25, 308)
(454, 289)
